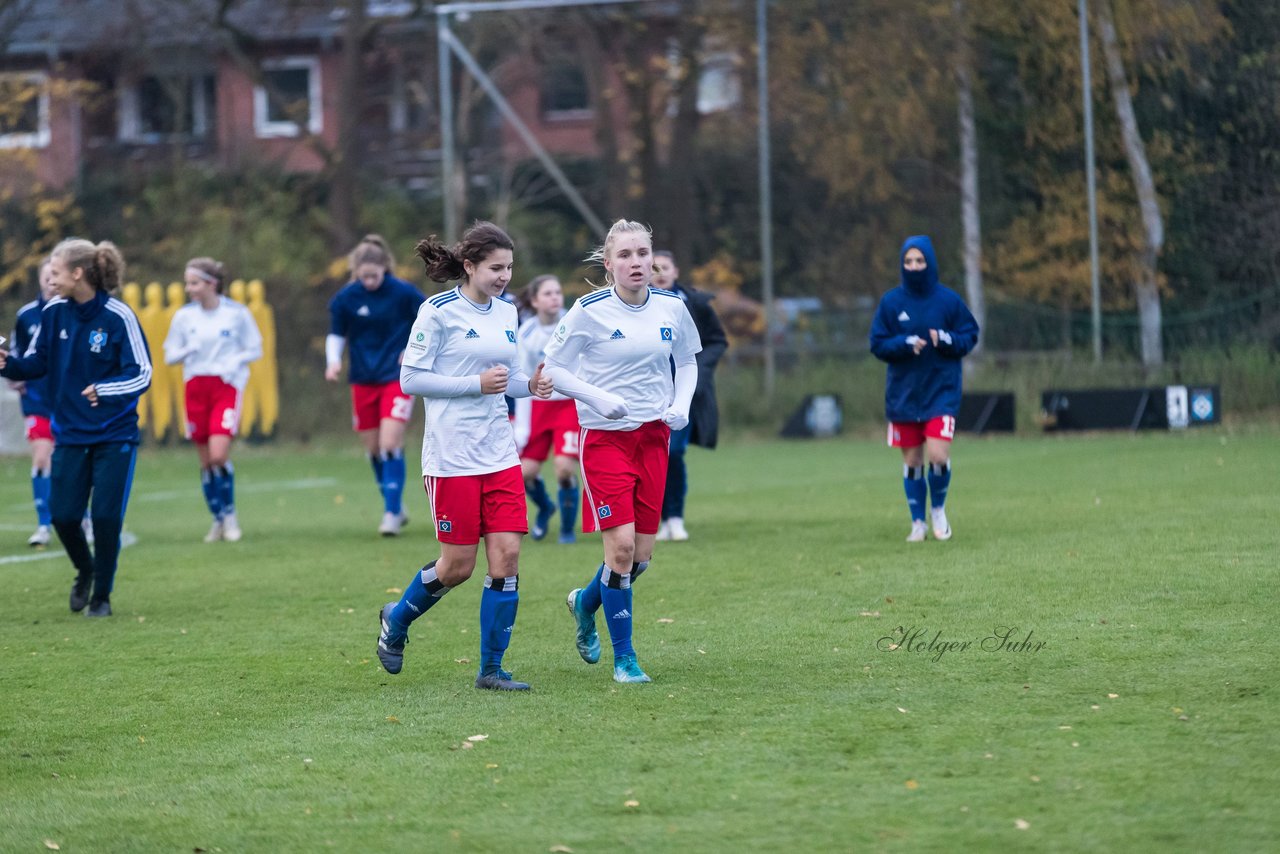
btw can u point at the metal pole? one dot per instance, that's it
(1095, 288)
(517, 5)
(766, 193)
(446, 125)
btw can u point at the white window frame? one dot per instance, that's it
(263, 127)
(128, 118)
(41, 137)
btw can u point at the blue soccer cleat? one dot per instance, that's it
(626, 670)
(391, 641)
(500, 680)
(588, 639)
(568, 538)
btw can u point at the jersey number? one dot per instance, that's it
(402, 408)
(570, 442)
(948, 426)
(229, 419)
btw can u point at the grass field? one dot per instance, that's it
(233, 703)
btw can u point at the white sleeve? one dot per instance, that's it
(425, 383)
(175, 344)
(333, 347)
(250, 338)
(524, 421)
(686, 384)
(567, 383)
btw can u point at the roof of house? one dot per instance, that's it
(52, 27)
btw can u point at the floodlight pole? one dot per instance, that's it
(446, 126)
(1095, 288)
(766, 193)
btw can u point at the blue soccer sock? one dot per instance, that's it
(392, 480)
(420, 594)
(568, 504)
(226, 481)
(615, 596)
(212, 495)
(498, 603)
(375, 461)
(939, 481)
(637, 568)
(536, 489)
(917, 490)
(589, 599)
(40, 488)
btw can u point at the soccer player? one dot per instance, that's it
(374, 314)
(214, 338)
(704, 416)
(923, 329)
(546, 427)
(461, 359)
(94, 355)
(613, 353)
(35, 409)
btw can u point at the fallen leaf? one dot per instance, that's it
(1112, 696)
(466, 745)
(668, 619)
(342, 499)
(563, 849)
(142, 619)
(476, 737)
(1035, 779)
(396, 590)
(1183, 718)
(904, 711)
(141, 740)
(868, 613)
(51, 845)
(702, 652)
(392, 719)
(1064, 727)
(463, 660)
(491, 765)
(631, 803)
(1021, 824)
(912, 785)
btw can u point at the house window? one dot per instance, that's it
(162, 108)
(719, 86)
(294, 99)
(564, 91)
(24, 111)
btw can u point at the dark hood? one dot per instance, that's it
(926, 280)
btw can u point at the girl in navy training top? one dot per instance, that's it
(374, 314)
(923, 329)
(35, 409)
(94, 355)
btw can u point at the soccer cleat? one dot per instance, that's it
(919, 530)
(40, 537)
(588, 639)
(231, 528)
(215, 532)
(391, 523)
(568, 538)
(500, 681)
(99, 609)
(625, 669)
(80, 592)
(664, 533)
(941, 528)
(390, 643)
(676, 526)
(540, 522)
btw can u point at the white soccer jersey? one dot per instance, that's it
(626, 349)
(531, 342)
(454, 337)
(217, 343)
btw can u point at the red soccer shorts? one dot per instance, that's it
(624, 474)
(911, 434)
(466, 507)
(553, 428)
(38, 428)
(213, 409)
(372, 403)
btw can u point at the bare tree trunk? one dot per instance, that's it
(343, 205)
(596, 68)
(970, 217)
(1146, 289)
(674, 204)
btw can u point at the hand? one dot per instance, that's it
(3, 357)
(331, 372)
(614, 407)
(494, 380)
(939, 335)
(540, 385)
(917, 343)
(675, 418)
(20, 386)
(91, 392)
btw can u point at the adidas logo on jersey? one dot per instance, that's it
(363, 311)
(471, 333)
(902, 315)
(63, 335)
(617, 335)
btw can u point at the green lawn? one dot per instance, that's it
(233, 702)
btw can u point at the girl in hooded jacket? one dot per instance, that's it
(922, 329)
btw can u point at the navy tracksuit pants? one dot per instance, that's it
(105, 473)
